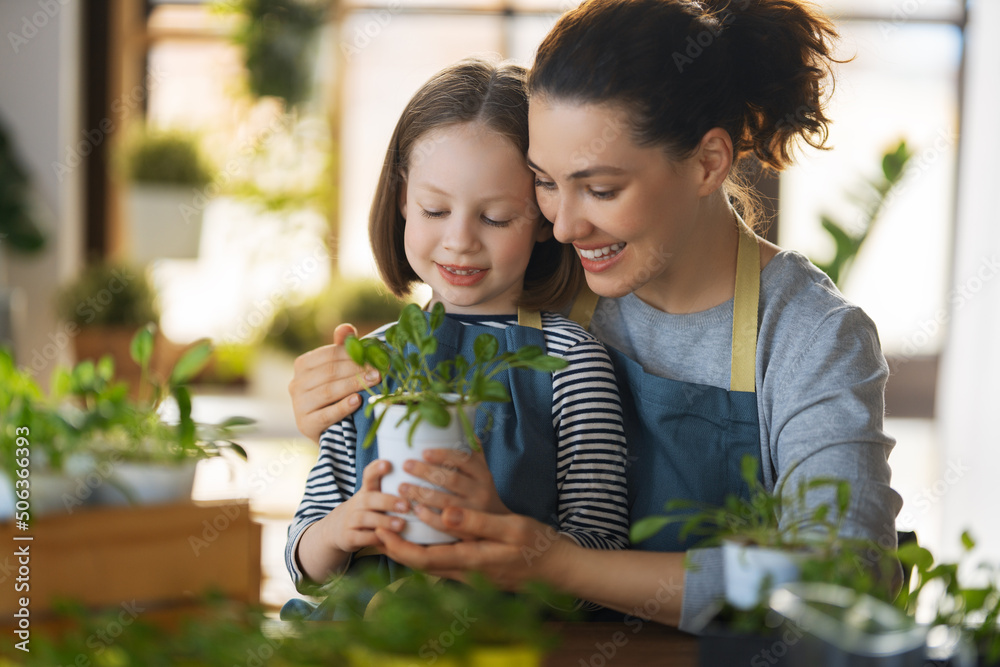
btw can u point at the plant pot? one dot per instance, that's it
(147, 483)
(748, 568)
(164, 222)
(58, 491)
(505, 656)
(394, 447)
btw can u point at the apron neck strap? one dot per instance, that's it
(742, 376)
(583, 306)
(529, 318)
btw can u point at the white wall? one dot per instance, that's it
(40, 107)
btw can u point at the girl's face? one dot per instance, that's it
(627, 209)
(471, 218)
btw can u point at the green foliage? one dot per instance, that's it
(872, 200)
(297, 328)
(277, 40)
(365, 301)
(762, 518)
(955, 604)
(164, 157)
(108, 295)
(18, 226)
(403, 360)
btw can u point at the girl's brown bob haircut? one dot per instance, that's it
(473, 90)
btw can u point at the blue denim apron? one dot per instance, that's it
(519, 444)
(687, 440)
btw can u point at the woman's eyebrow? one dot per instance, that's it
(599, 170)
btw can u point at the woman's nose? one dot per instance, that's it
(569, 224)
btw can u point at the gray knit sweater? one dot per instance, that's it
(820, 382)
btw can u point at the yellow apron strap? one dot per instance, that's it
(529, 318)
(584, 306)
(742, 376)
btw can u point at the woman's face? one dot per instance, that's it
(627, 209)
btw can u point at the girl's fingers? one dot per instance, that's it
(425, 496)
(371, 478)
(446, 478)
(383, 502)
(433, 519)
(373, 520)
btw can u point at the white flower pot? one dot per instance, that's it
(748, 566)
(148, 483)
(164, 222)
(394, 447)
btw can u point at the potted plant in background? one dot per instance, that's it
(366, 304)
(165, 169)
(423, 404)
(104, 307)
(152, 461)
(765, 537)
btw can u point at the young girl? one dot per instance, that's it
(455, 209)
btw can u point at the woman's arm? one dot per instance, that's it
(324, 389)
(514, 549)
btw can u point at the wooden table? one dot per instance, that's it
(632, 644)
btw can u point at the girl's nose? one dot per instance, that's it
(569, 224)
(460, 236)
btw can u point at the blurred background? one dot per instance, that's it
(226, 153)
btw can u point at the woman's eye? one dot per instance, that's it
(545, 185)
(603, 195)
(495, 223)
(433, 214)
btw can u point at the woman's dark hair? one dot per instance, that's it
(473, 90)
(755, 68)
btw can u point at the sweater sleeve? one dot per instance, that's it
(330, 482)
(591, 455)
(823, 407)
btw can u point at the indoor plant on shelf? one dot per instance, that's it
(165, 170)
(424, 403)
(152, 461)
(766, 537)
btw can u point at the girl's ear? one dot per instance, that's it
(714, 157)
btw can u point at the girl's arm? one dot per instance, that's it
(512, 549)
(591, 454)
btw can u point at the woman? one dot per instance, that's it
(641, 114)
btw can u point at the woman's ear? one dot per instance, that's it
(715, 158)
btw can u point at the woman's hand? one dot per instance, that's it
(324, 389)
(464, 474)
(509, 549)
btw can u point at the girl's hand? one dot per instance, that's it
(324, 388)
(353, 523)
(509, 549)
(464, 474)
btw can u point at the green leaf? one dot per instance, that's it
(967, 542)
(428, 346)
(643, 529)
(437, 316)
(233, 422)
(894, 161)
(485, 347)
(843, 496)
(413, 323)
(186, 426)
(355, 350)
(974, 598)
(529, 352)
(493, 391)
(547, 363)
(435, 413)
(191, 363)
(141, 347)
(913, 555)
(470, 431)
(378, 358)
(105, 368)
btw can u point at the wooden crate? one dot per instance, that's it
(157, 555)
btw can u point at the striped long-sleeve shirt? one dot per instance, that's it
(590, 447)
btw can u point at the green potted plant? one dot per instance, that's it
(103, 308)
(166, 173)
(765, 537)
(153, 461)
(422, 404)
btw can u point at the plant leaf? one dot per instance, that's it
(437, 316)
(914, 555)
(485, 347)
(546, 363)
(967, 542)
(493, 391)
(355, 350)
(191, 363)
(643, 529)
(435, 413)
(141, 347)
(378, 358)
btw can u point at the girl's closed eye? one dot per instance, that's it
(603, 195)
(432, 214)
(503, 221)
